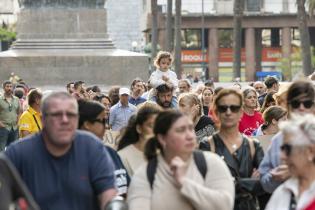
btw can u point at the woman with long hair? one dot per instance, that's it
(251, 118)
(269, 101)
(207, 99)
(190, 104)
(135, 136)
(176, 176)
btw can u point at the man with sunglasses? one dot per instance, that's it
(64, 168)
(10, 111)
(300, 101)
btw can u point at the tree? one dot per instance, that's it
(178, 49)
(305, 38)
(311, 7)
(237, 37)
(154, 28)
(169, 26)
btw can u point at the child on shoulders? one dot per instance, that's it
(163, 74)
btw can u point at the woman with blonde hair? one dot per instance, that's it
(190, 104)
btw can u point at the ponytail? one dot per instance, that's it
(152, 148)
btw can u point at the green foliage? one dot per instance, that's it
(147, 48)
(294, 68)
(311, 6)
(6, 35)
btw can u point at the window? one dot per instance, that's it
(191, 38)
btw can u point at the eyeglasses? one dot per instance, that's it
(287, 149)
(224, 108)
(59, 115)
(102, 121)
(296, 104)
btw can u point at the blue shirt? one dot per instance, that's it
(137, 101)
(119, 115)
(270, 161)
(71, 181)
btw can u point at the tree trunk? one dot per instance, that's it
(237, 37)
(169, 26)
(178, 49)
(154, 29)
(305, 38)
(285, 6)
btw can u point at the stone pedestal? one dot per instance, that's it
(57, 45)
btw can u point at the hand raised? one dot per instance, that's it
(179, 168)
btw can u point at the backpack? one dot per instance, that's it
(199, 159)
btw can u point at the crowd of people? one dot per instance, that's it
(177, 147)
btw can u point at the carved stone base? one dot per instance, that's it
(58, 67)
(56, 46)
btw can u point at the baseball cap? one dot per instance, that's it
(123, 91)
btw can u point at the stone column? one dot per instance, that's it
(286, 52)
(213, 54)
(250, 65)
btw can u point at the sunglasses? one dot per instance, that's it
(102, 121)
(224, 108)
(287, 149)
(296, 104)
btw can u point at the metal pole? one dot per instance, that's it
(203, 54)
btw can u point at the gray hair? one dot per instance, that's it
(301, 128)
(53, 95)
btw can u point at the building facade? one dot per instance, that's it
(270, 37)
(123, 23)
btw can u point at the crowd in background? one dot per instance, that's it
(173, 146)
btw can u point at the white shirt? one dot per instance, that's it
(280, 199)
(156, 78)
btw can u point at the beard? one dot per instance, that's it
(165, 104)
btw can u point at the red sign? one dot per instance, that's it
(226, 55)
(193, 56)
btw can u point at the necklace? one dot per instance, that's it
(233, 145)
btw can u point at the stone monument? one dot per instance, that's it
(59, 41)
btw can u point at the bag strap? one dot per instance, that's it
(201, 163)
(211, 143)
(36, 123)
(199, 159)
(252, 148)
(35, 120)
(151, 170)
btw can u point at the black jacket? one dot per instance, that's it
(241, 165)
